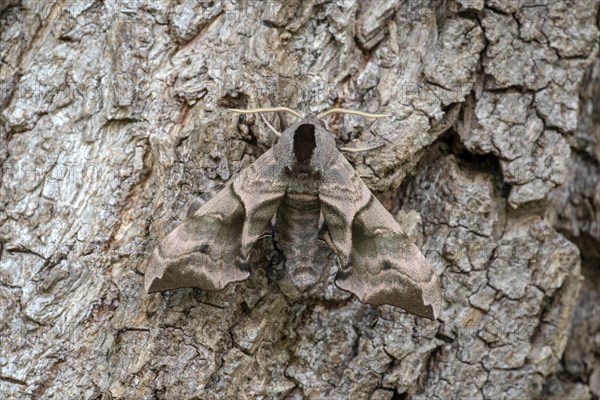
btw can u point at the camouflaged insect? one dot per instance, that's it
(303, 185)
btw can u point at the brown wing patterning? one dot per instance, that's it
(379, 264)
(209, 250)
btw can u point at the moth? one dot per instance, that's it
(302, 185)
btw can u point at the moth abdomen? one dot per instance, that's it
(298, 228)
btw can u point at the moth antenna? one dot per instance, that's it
(353, 112)
(261, 110)
(277, 133)
(360, 149)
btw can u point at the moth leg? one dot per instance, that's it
(275, 131)
(361, 149)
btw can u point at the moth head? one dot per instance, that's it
(305, 147)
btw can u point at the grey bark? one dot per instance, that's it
(114, 120)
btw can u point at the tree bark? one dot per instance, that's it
(114, 120)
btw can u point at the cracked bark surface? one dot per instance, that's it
(113, 122)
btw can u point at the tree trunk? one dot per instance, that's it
(114, 120)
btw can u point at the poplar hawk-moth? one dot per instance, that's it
(302, 185)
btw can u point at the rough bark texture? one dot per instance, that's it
(113, 121)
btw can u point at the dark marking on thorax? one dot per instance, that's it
(304, 143)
